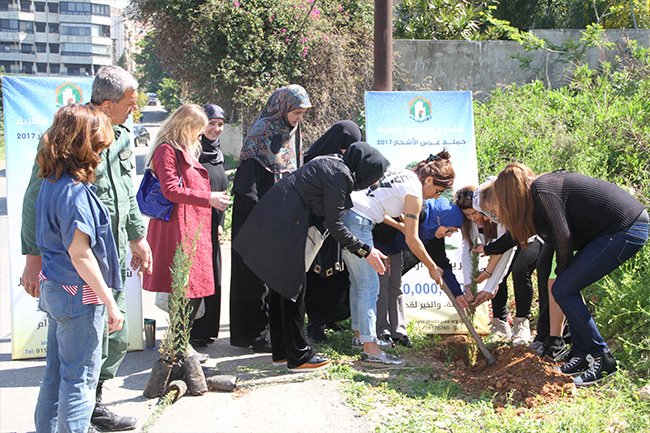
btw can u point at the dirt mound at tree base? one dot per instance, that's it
(518, 376)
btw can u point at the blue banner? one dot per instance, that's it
(407, 127)
(29, 107)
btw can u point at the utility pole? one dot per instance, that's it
(383, 54)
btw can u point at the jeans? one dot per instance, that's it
(364, 280)
(598, 258)
(74, 350)
(115, 344)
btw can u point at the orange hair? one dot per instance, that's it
(73, 142)
(515, 201)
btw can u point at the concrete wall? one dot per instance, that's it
(482, 66)
(231, 140)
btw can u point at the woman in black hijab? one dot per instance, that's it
(327, 296)
(336, 140)
(206, 329)
(272, 241)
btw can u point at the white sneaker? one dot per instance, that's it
(500, 330)
(521, 331)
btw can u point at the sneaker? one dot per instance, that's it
(316, 362)
(280, 363)
(555, 349)
(384, 358)
(404, 341)
(537, 347)
(521, 334)
(599, 368)
(356, 343)
(385, 344)
(576, 366)
(104, 420)
(500, 330)
(385, 338)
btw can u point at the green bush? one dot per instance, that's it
(598, 125)
(235, 53)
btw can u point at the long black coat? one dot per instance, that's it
(272, 241)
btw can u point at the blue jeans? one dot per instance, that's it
(598, 258)
(364, 280)
(74, 353)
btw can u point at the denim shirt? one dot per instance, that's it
(63, 207)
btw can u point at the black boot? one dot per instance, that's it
(106, 421)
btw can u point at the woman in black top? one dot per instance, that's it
(206, 329)
(327, 296)
(597, 220)
(273, 238)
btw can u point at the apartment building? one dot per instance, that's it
(46, 38)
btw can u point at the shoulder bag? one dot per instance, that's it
(151, 201)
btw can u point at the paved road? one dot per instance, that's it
(272, 399)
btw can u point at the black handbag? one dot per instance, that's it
(151, 201)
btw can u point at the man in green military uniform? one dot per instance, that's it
(115, 92)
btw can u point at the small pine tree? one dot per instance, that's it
(177, 336)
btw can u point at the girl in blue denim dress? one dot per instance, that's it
(80, 267)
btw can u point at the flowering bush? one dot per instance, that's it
(235, 53)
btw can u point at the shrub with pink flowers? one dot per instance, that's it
(235, 53)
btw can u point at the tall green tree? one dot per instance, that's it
(150, 69)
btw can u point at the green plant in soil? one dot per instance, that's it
(176, 340)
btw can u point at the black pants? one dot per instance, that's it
(249, 309)
(287, 329)
(544, 264)
(522, 267)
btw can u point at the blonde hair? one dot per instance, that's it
(516, 207)
(182, 129)
(487, 196)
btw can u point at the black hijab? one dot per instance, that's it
(366, 163)
(340, 136)
(211, 150)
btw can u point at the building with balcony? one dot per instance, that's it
(57, 37)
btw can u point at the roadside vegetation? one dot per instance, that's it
(598, 125)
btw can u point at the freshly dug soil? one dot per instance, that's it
(517, 377)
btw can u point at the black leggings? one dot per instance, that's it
(521, 268)
(544, 264)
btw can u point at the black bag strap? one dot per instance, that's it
(178, 163)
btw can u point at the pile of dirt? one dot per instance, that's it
(517, 377)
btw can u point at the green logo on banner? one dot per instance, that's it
(420, 109)
(68, 93)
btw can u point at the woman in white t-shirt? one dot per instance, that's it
(397, 193)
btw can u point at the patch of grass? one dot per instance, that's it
(425, 398)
